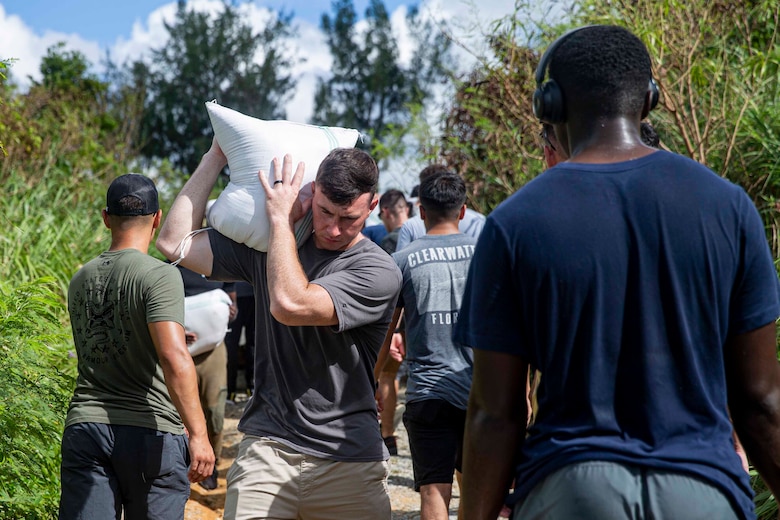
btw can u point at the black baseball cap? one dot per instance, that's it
(133, 185)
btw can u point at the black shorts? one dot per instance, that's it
(435, 429)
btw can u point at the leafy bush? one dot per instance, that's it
(36, 382)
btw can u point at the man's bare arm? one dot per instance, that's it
(495, 427)
(753, 377)
(182, 383)
(294, 300)
(384, 350)
(187, 212)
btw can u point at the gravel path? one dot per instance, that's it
(405, 502)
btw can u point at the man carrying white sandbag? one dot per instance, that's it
(312, 447)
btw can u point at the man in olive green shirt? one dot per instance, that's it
(124, 449)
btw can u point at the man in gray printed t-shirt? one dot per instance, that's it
(435, 268)
(312, 446)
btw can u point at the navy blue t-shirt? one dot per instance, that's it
(376, 233)
(621, 283)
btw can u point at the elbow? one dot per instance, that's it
(176, 365)
(757, 409)
(167, 247)
(285, 311)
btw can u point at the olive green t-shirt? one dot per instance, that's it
(111, 301)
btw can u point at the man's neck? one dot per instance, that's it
(443, 228)
(603, 141)
(120, 241)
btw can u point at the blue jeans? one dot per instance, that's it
(611, 491)
(107, 469)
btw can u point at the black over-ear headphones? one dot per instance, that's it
(548, 98)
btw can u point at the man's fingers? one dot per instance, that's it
(279, 169)
(298, 177)
(286, 168)
(199, 471)
(262, 176)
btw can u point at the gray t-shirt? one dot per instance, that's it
(471, 224)
(112, 300)
(435, 269)
(314, 386)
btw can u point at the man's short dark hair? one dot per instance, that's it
(605, 67)
(347, 173)
(394, 201)
(442, 195)
(432, 169)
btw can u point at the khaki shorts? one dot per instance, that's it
(269, 480)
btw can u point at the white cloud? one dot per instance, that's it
(145, 35)
(314, 62)
(21, 43)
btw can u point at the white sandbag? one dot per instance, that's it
(207, 315)
(250, 144)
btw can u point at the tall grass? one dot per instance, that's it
(51, 225)
(53, 173)
(35, 384)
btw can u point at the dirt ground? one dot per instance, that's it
(405, 502)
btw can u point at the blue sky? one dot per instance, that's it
(104, 20)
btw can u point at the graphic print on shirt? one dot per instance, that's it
(440, 301)
(97, 311)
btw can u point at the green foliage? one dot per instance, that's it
(64, 70)
(369, 88)
(69, 121)
(45, 235)
(490, 135)
(36, 383)
(766, 505)
(209, 58)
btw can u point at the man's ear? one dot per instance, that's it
(422, 212)
(157, 219)
(374, 202)
(106, 220)
(462, 212)
(549, 157)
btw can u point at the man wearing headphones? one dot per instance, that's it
(642, 286)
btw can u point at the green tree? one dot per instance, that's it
(370, 89)
(490, 134)
(5, 90)
(210, 57)
(65, 70)
(71, 110)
